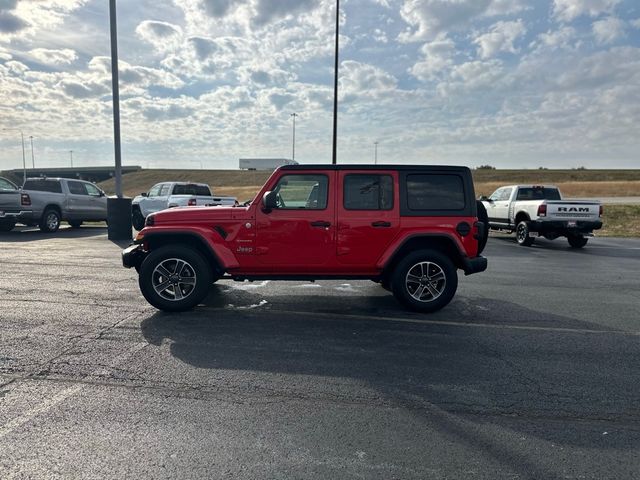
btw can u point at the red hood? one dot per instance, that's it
(195, 214)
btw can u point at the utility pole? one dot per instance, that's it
(375, 155)
(293, 153)
(116, 96)
(33, 161)
(71, 157)
(335, 86)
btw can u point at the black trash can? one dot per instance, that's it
(119, 218)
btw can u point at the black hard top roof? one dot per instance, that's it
(353, 166)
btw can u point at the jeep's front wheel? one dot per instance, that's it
(425, 281)
(174, 278)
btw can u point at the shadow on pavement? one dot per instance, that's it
(502, 374)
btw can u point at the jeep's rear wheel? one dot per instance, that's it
(174, 278)
(425, 281)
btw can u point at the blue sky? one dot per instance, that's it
(511, 83)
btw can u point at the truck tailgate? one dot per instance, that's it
(574, 209)
(9, 201)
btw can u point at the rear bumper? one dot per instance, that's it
(132, 256)
(474, 265)
(564, 226)
(16, 215)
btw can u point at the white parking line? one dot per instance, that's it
(64, 394)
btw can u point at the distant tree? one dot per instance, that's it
(486, 167)
(543, 168)
(579, 168)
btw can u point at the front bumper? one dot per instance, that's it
(132, 256)
(474, 265)
(565, 226)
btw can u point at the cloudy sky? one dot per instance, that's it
(511, 83)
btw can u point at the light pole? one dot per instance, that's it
(71, 157)
(293, 148)
(335, 86)
(116, 95)
(375, 155)
(33, 160)
(24, 162)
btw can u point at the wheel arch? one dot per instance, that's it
(521, 216)
(440, 242)
(193, 240)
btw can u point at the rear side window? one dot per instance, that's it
(51, 186)
(538, 193)
(77, 188)
(435, 192)
(192, 189)
(6, 185)
(368, 192)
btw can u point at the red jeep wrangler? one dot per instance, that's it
(407, 227)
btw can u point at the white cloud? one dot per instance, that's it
(163, 36)
(362, 80)
(635, 23)
(500, 38)
(555, 39)
(428, 18)
(438, 57)
(47, 56)
(609, 30)
(568, 10)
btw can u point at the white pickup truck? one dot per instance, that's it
(173, 194)
(528, 209)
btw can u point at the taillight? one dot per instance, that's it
(192, 202)
(542, 210)
(601, 210)
(25, 199)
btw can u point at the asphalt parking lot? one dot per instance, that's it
(533, 371)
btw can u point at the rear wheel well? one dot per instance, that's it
(521, 217)
(441, 244)
(185, 240)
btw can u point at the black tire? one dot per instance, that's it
(75, 223)
(7, 226)
(195, 269)
(484, 218)
(577, 241)
(137, 219)
(522, 235)
(421, 265)
(50, 221)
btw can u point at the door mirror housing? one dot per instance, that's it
(484, 198)
(269, 202)
(144, 194)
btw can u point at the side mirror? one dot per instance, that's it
(484, 198)
(144, 194)
(102, 194)
(269, 202)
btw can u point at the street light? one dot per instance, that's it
(293, 153)
(335, 86)
(375, 155)
(33, 161)
(24, 162)
(71, 156)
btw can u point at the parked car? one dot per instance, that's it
(532, 209)
(173, 194)
(48, 201)
(11, 205)
(410, 228)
